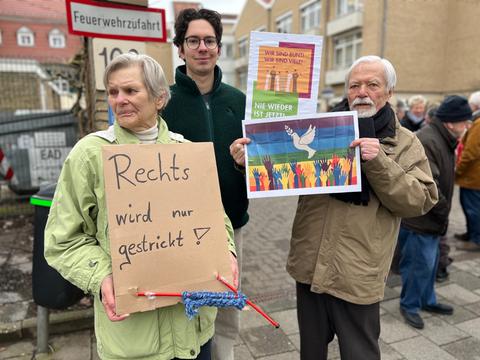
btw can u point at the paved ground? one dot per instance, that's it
(266, 282)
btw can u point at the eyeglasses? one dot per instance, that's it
(193, 42)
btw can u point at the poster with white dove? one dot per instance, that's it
(301, 155)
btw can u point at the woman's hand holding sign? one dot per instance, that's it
(108, 299)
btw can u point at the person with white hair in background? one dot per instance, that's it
(414, 118)
(474, 101)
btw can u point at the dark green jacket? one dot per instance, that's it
(221, 123)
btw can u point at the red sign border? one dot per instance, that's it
(115, 6)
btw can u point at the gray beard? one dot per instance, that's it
(367, 113)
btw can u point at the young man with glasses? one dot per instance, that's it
(202, 108)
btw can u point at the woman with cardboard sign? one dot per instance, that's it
(77, 243)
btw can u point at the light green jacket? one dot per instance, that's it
(77, 245)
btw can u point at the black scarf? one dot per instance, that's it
(379, 126)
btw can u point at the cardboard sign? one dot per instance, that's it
(283, 75)
(166, 222)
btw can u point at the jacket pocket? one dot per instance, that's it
(206, 318)
(136, 336)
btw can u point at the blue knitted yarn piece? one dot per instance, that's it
(193, 300)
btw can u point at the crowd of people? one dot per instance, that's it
(445, 131)
(341, 246)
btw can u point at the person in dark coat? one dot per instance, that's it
(419, 236)
(205, 109)
(400, 109)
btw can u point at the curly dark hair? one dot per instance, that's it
(187, 15)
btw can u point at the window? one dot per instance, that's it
(310, 15)
(25, 37)
(62, 85)
(345, 7)
(242, 47)
(242, 80)
(284, 24)
(1, 37)
(228, 50)
(347, 49)
(56, 39)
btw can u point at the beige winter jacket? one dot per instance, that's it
(345, 250)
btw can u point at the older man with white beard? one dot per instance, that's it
(342, 244)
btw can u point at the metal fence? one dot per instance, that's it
(37, 128)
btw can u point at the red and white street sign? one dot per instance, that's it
(116, 21)
(6, 171)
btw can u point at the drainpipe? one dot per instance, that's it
(322, 101)
(269, 19)
(383, 34)
(326, 42)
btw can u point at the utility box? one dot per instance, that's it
(50, 289)
(36, 146)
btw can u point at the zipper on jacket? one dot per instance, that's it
(206, 102)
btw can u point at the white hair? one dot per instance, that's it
(390, 74)
(417, 99)
(152, 73)
(474, 100)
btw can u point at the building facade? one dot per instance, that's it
(34, 47)
(36, 30)
(431, 43)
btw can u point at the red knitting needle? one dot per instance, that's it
(255, 307)
(151, 293)
(224, 282)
